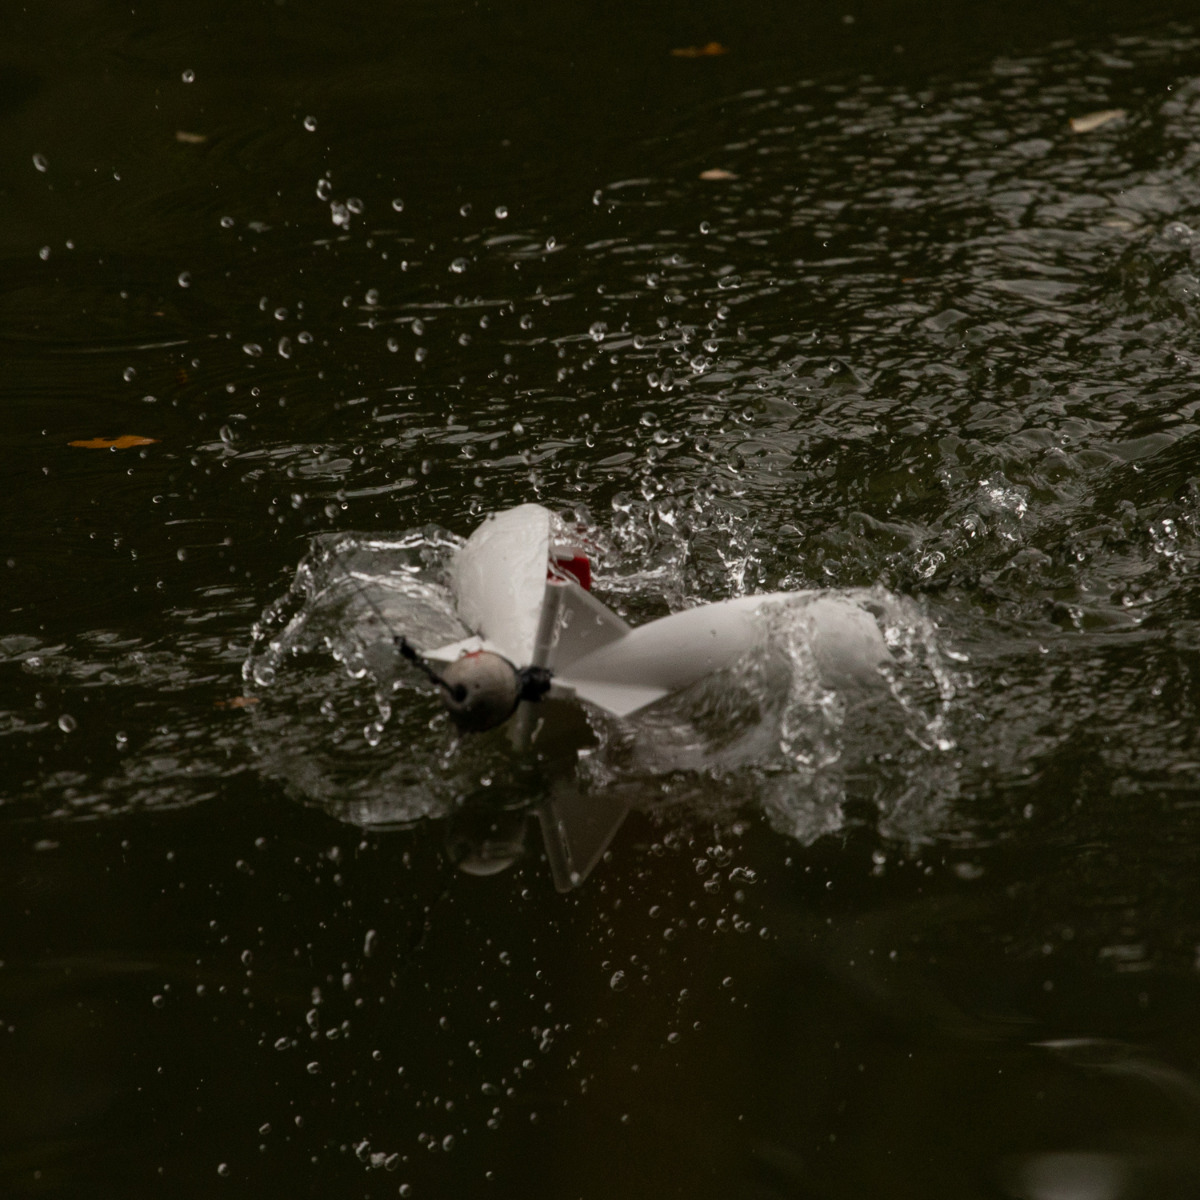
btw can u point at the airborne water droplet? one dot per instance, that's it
(67, 723)
(310, 123)
(189, 76)
(41, 162)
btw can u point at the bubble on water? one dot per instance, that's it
(188, 76)
(502, 211)
(67, 723)
(41, 162)
(185, 279)
(310, 123)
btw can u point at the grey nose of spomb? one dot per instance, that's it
(481, 691)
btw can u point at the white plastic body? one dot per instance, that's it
(509, 592)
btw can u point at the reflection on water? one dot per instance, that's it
(923, 338)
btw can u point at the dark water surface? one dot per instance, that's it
(383, 268)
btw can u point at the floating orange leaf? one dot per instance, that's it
(708, 51)
(121, 443)
(236, 702)
(716, 173)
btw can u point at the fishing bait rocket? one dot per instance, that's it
(538, 631)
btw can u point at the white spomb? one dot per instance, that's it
(510, 593)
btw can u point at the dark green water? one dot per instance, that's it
(926, 337)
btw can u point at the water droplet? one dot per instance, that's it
(253, 349)
(185, 279)
(598, 330)
(705, 227)
(370, 943)
(158, 1001)
(129, 374)
(459, 265)
(618, 982)
(189, 76)
(44, 253)
(310, 123)
(285, 347)
(41, 162)
(67, 723)
(282, 1043)
(247, 957)
(324, 189)
(398, 204)
(448, 1142)
(465, 210)
(226, 222)
(313, 1068)
(355, 205)
(551, 243)
(502, 211)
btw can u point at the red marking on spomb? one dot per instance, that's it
(579, 567)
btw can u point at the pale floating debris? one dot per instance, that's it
(190, 139)
(717, 173)
(1094, 120)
